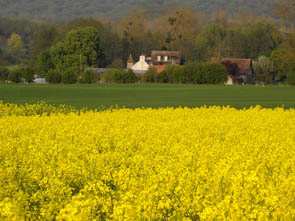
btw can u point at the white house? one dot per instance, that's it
(141, 65)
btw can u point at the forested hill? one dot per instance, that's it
(60, 11)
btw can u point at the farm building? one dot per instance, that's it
(166, 57)
(158, 60)
(141, 65)
(240, 71)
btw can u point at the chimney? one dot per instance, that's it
(142, 57)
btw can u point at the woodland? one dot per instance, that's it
(42, 46)
(66, 10)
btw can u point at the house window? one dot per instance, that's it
(166, 58)
(159, 58)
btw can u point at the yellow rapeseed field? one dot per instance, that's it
(146, 164)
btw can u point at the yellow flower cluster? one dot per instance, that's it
(41, 108)
(149, 164)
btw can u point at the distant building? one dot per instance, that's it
(39, 80)
(240, 71)
(166, 57)
(141, 66)
(158, 60)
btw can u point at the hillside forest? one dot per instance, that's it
(67, 10)
(42, 47)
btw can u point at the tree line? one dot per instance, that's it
(88, 42)
(67, 10)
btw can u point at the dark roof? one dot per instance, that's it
(174, 57)
(99, 70)
(166, 53)
(243, 64)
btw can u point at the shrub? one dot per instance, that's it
(28, 74)
(53, 77)
(4, 72)
(121, 76)
(209, 73)
(69, 76)
(44, 63)
(150, 75)
(291, 78)
(169, 72)
(117, 75)
(162, 77)
(129, 77)
(87, 77)
(180, 76)
(108, 76)
(264, 69)
(166, 76)
(117, 63)
(216, 73)
(15, 76)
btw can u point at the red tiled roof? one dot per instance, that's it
(159, 68)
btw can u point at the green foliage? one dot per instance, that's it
(15, 38)
(208, 40)
(117, 64)
(15, 76)
(44, 63)
(117, 75)
(194, 73)
(112, 43)
(15, 45)
(121, 76)
(2, 59)
(4, 72)
(291, 77)
(213, 73)
(28, 74)
(42, 41)
(87, 77)
(83, 47)
(53, 77)
(284, 60)
(150, 75)
(130, 77)
(69, 76)
(240, 42)
(107, 76)
(162, 77)
(180, 76)
(261, 40)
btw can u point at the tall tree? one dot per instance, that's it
(42, 41)
(15, 44)
(82, 47)
(208, 41)
(111, 41)
(178, 27)
(1, 57)
(133, 28)
(44, 63)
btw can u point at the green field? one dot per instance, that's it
(149, 95)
